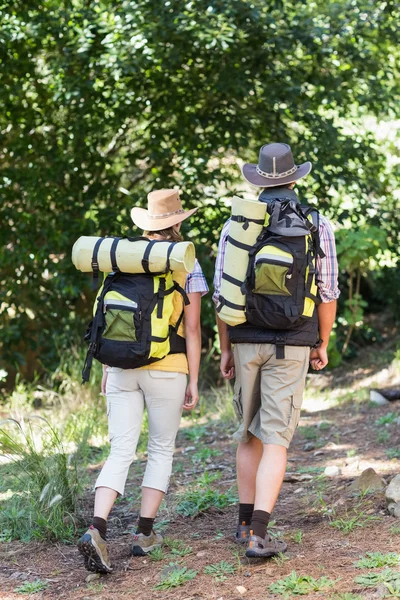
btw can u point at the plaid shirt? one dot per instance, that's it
(326, 273)
(196, 282)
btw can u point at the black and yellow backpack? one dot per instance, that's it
(280, 286)
(136, 321)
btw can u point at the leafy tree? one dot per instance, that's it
(103, 102)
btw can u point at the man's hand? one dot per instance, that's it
(318, 358)
(191, 396)
(227, 365)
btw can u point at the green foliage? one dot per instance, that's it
(387, 419)
(374, 560)
(308, 432)
(298, 536)
(348, 524)
(103, 102)
(32, 587)
(300, 585)
(194, 501)
(205, 453)
(220, 570)
(195, 433)
(358, 251)
(393, 452)
(43, 479)
(374, 579)
(175, 577)
(156, 555)
(382, 436)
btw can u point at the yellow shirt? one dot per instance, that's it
(176, 363)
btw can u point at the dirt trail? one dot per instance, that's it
(345, 436)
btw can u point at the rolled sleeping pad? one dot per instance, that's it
(134, 255)
(247, 222)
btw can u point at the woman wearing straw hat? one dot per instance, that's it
(161, 386)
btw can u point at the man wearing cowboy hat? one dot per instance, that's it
(268, 391)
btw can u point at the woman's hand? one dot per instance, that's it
(191, 395)
(104, 380)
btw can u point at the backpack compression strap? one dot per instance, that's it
(246, 221)
(95, 264)
(146, 256)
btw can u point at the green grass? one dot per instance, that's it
(375, 560)
(300, 585)
(175, 577)
(32, 587)
(308, 432)
(220, 570)
(156, 555)
(177, 547)
(374, 579)
(195, 432)
(196, 500)
(393, 452)
(297, 536)
(205, 454)
(382, 436)
(43, 480)
(387, 419)
(395, 530)
(208, 478)
(347, 525)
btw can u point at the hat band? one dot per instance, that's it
(276, 175)
(169, 214)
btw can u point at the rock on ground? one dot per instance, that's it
(368, 480)
(393, 490)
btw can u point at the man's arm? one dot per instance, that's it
(326, 319)
(327, 281)
(227, 364)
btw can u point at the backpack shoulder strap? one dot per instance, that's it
(96, 328)
(314, 229)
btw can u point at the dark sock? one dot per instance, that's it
(259, 523)
(245, 513)
(145, 525)
(101, 526)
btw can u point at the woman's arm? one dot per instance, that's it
(193, 348)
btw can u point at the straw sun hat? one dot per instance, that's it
(164, 210)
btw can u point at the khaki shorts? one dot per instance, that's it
(269, 391)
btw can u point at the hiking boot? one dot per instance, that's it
(143, 544)
(264, 548)
(242, 534)
(94, 550)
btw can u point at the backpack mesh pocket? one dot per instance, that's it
(273, 268)
(120, 321)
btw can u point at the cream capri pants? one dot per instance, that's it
(128, 391)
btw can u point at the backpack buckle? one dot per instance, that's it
(92, 347)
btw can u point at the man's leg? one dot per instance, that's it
(246, 402)
(270, 474)
(282, 384)
(248, 458)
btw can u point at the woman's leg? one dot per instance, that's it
(125, 406)
(164, 394)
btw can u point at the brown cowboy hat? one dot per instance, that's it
(164, 210)
(275, 166)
